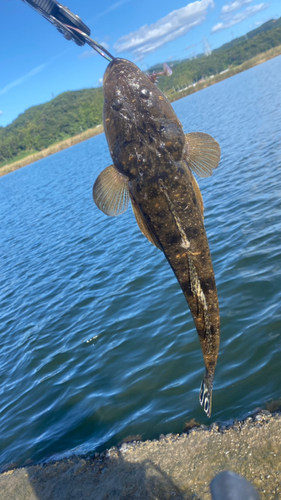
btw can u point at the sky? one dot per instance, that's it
(37, 63)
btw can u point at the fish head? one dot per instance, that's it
(138, 119)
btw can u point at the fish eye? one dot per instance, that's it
(117, 104)
(144, 93)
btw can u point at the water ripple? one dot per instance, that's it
(97, 341)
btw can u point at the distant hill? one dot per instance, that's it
(191, 71)
(73, 112)
(269, 25)
(38, 127)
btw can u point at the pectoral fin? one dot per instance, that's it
(143, 225)
(202, 153)
(111, 191)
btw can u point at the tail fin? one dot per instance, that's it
(205, 395)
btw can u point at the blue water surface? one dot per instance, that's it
(97, 341)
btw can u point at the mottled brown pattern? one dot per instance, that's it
(147, 145)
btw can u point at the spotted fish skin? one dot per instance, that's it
(150, 150)
(171, 210)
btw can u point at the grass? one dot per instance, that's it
(234, 70)
(27, 158)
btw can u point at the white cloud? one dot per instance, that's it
(236, 5)
(258, 23)
(92, 52)
(88, 53)
(1, 112)
(23, 78)
(112, 7)
(31, 73)
(191, 46)
(239, 17)
(109, 9)
(147, 39)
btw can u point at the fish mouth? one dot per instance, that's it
(116, 66)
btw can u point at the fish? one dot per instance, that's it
(152, 167)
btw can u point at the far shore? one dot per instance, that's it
(59, 146)
(259, 59)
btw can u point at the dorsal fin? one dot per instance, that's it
(142, 224)
(202, 153)
(111, 191)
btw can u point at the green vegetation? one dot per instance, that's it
(72, 113)
(174, 95)
(269, 25)
(26, 158)
(191, 71)
(38, 127)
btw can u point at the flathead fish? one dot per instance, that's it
(152, 163)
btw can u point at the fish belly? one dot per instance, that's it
(172, 212)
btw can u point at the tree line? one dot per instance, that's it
(191, 71)
(73, 112)
(38, 127)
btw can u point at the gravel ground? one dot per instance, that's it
(174, 467)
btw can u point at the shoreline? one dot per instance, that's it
(87, 134)
(255, 61)
(55, 148)
(178, 467)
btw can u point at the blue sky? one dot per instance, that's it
(37, 63)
